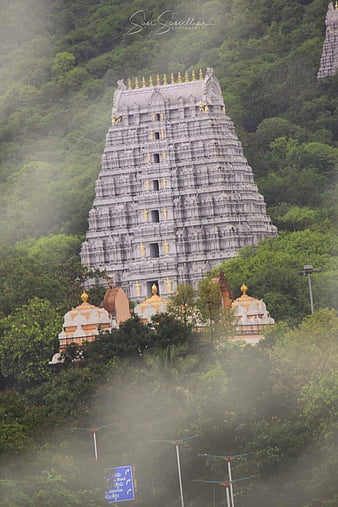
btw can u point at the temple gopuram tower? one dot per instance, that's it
(329, 60)
(175, 195)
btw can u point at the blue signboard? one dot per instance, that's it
(120, 483)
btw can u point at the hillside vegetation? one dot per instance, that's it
(277, 402)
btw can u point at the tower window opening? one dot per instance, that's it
(155, 215)
(156, 135)
(156, 185)
(156, 158)
(157, 116)
(154, 250)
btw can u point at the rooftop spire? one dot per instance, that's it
(84, 297)
(244, 289)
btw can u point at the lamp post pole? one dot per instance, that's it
(228, 459)
(307, 271)
(227, 485)
(177, 443)
(179, 471)
(94, 431)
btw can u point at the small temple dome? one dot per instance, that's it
(151, 306)
(252, 317)
(83, 323)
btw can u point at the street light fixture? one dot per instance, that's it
(94, 431)
(307, 271)
(228, 459)
(177, 444)
(227, 485)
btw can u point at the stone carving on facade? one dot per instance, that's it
(187, 188)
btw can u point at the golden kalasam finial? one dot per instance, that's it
(154, 289)
(244, 289)
(151, 81)
(193, 75)
(179, 78)
(144, 84)
(186, 76)
(136, 83)
(84, 297)
(172, 78)
(165, 79)
(200, 74)
(158, 80)
(129, 84)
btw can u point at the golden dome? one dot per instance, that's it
(151, 306)
(244, 299)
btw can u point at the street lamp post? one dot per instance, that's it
(94, 431)
(228, 459)
(227, 485)
(177, 444)
(307, 271)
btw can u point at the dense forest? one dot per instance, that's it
(275, 404)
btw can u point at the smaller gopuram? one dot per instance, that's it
(81, 324)
(251, 318)
(329, 59)
(151, 306)
(85, 322)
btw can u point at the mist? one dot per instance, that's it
(276, 403)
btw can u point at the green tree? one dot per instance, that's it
(29, 340)
(62, 64)
(209, 303)
(182, 305)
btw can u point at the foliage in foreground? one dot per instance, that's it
(275, 402)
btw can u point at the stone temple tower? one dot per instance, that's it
(175, 195)
(329, 60)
